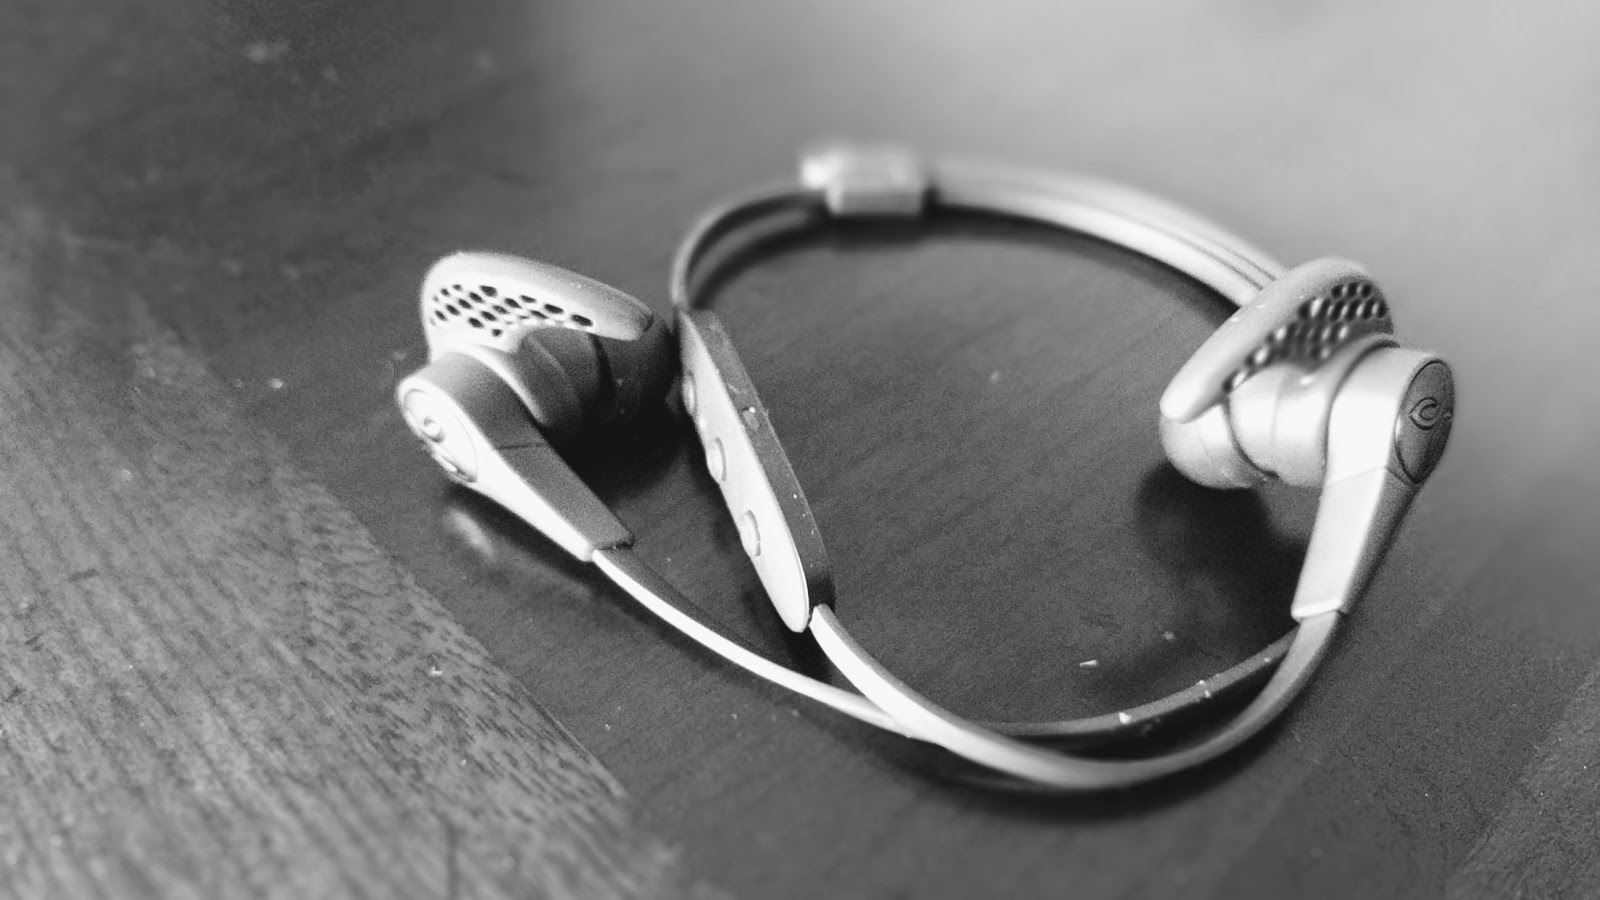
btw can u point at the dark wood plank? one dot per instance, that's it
(215, 684)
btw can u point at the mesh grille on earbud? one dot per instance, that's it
(493, 300)
(488, 308)
(1347, 311)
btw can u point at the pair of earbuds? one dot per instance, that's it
(1306, 384)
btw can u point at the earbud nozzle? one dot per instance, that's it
(641, 371)
(1204, 450)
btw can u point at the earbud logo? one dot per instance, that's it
(1428, 407)
(1426, 413)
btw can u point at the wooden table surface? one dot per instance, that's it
(253, 644)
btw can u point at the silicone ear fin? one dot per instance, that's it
(479, 431)
(1304, 317)
(494, 300)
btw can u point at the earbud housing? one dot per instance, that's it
(523, 358)
(1307, 385)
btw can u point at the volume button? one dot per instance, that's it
(750, 533)
(716, 459)
(690, 398)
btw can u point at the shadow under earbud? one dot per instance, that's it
(622, 459)
(1229, 557)
(1232, 571)
(1225, 554)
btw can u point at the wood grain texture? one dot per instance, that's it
(215, 684)
(255, 188)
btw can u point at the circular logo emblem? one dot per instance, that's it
(1423, 427)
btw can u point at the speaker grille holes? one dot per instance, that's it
(495, 309)
(1324, 323)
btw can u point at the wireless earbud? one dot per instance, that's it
(524, 356)
(1284, 352)
(597, 353)
(1306, 384)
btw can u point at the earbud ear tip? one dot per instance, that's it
(1204, 450)
(641, 370)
